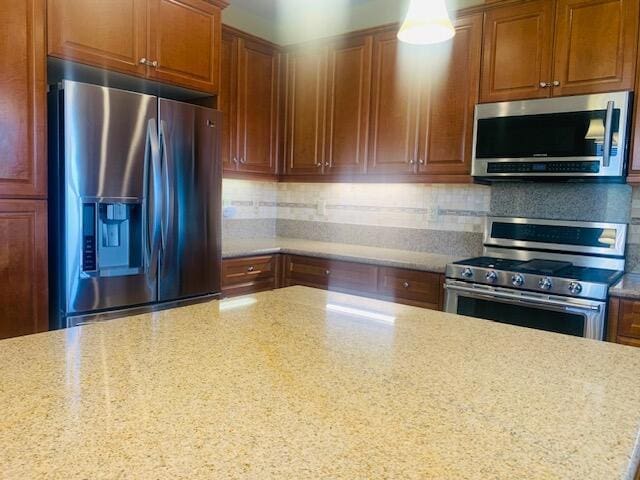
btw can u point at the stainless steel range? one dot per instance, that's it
(545, 274)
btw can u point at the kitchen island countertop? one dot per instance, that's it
(303, 383)
(430, 262)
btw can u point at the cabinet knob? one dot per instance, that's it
(153, 64)
(142, 61)
(243, 160)
(211, 124)
(251, 268)
(235, 160)
(405, 284)
(412, 162)
(545, 84)
(318, 164)
(326, 164)
(327, 272)
(556, 83)
(421, 161)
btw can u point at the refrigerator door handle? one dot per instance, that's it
(153, 195)
(167, 209)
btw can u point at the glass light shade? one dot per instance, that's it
(427, 22)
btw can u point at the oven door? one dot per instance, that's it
(571, 316)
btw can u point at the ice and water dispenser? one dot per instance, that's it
(112, 242)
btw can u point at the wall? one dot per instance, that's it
(444, 219)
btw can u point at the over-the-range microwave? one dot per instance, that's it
(579, 138)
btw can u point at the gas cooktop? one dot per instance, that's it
(551, 276)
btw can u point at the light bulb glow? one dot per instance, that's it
(427, 22)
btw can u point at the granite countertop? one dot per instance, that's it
(627, 287)
(303, 383)
(338, 251)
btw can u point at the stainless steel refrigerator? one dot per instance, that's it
(135, 207)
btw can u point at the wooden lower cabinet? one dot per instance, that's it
(330, 274)
(411, 287)
(624, 321)
(241, 276)
(24, 290)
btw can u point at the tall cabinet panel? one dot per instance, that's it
(23, 267)
(449, 96)
(106, 34)
(23, 161)
(517, 47)
(347, 110)
(305, 106)
(393, 128)
(257, 107)
(595, 47)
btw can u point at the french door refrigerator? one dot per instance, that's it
(135, 211)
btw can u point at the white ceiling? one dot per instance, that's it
(293, 21)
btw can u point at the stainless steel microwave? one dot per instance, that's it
(582, 137)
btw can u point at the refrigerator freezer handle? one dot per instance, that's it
(166, 187)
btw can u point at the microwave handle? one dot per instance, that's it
(608, 123)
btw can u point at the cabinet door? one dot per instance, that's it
(629, 319)
(257, 107)
(447, 105)
(184, 40)
(517, 51)
(107, 34)
(595, 46)
(306, 85)
(330, 274)
(241, 276)
(348, 99)
(23, 161)
(227, 100)
(23, 267)
(393, 129)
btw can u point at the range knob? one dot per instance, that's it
(545, 283)
(517, 280)
(491, 276)
(575, 288)
(467, 273)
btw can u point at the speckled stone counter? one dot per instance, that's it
(627, 287)
(301, 383)
(338, 251)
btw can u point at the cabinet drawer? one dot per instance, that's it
(239, 271)
(331, 274)
(410, 286)
(629, 319)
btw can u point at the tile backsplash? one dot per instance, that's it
(439, 218)
(426, 207)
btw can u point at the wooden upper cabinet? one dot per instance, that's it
(23, 267)
(110, 34)
(172, 41)
(347, 109)
(517, 51)
(184, 40)
(257, 107)
(393, 122)
(227, 99)
(595, 46)
(23, 156)
(450, 93)
(305, 105)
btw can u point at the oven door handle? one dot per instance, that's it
(608, 134)
(523, 299)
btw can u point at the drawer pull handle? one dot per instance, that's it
(327, 272)
(251, 268)
(405, 284)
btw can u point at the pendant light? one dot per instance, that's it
(427, 22)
